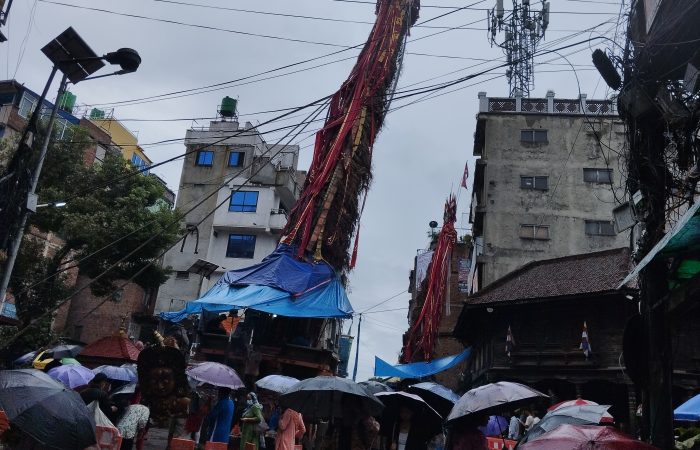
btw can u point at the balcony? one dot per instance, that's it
(284, 179)
(278, 220)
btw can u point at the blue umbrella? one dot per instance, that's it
(688, 411)
(26, 358)
(72, 375)
(117, 373)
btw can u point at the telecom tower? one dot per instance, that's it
(523, 29)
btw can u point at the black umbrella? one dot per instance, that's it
(374, 387)
(492, 398)
(45, 410)
(438, 396)
(323, 397)
(128, 388)
(424, 417)
(65, 351)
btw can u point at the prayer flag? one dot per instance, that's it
(585, 345)
(466, 175)
(510, 341)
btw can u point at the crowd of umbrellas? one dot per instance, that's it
(45, 406)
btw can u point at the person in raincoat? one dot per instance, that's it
(250, 419)
(220, 417)
(289, 428)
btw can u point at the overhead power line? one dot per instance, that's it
(367, 2)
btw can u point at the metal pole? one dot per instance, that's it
(357, 349)
(14, 249)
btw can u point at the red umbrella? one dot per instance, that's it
(585, 437)
(607, 418)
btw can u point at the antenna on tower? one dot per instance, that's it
(522, 29)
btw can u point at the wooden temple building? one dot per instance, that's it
(546, 304)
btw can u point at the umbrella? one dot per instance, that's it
(590, 437)
(217, 374)
(573, 415)
(437, 396)
(128, 388)
(430, 420)
(44, 409)
(492, 398)
(496, 426)
(116, 373)
(70, 361)
(688, 411)
(72, 376)
(375, 387)
(276, 383)
(26, 358)
(322, 397)
(607, 417)
(65, 351)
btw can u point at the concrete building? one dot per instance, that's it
(546, 181)
(246, 188)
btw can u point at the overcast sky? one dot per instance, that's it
(420, 154)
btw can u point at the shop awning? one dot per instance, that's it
(418, 369)
(684, 237)
(325, 301)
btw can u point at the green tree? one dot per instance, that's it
(98, 212)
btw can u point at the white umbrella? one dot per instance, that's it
(276, 383)
(492, 398)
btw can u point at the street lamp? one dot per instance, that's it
(70, 54)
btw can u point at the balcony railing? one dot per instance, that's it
(547, 105)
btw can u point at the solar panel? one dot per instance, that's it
(69, 52)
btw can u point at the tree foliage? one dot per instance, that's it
(98, 212)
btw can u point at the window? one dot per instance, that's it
(599, 228)
(240, 246)
(235, 159)
(534, 232)
(539, 183)
(243, 201)
(139, 163)
(205, 158)
(533, 135)
(597, 175)
(182, 275)
(27, 105)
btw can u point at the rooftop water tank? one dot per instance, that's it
(67, 101)
(97, 113)
(228, 107)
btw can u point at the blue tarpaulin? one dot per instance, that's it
(280, 284)
(281, 270)
(418, 369)
(328, 300)
(688, 411)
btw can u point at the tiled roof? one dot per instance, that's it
(115, 347)
(571, 275)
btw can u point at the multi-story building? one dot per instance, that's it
(241, 189)
(546, 182)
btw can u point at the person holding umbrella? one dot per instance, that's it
(250, 419)
(220, 416)
(468, 436)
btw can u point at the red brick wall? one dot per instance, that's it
(100, 317)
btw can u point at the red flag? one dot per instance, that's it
(466, 175)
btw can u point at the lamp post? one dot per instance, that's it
(76, 61)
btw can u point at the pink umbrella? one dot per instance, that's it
(607, 417)
(585, 437)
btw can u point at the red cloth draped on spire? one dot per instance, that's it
(326, 215)
(420, 340)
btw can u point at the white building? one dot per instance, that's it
(255, 185)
